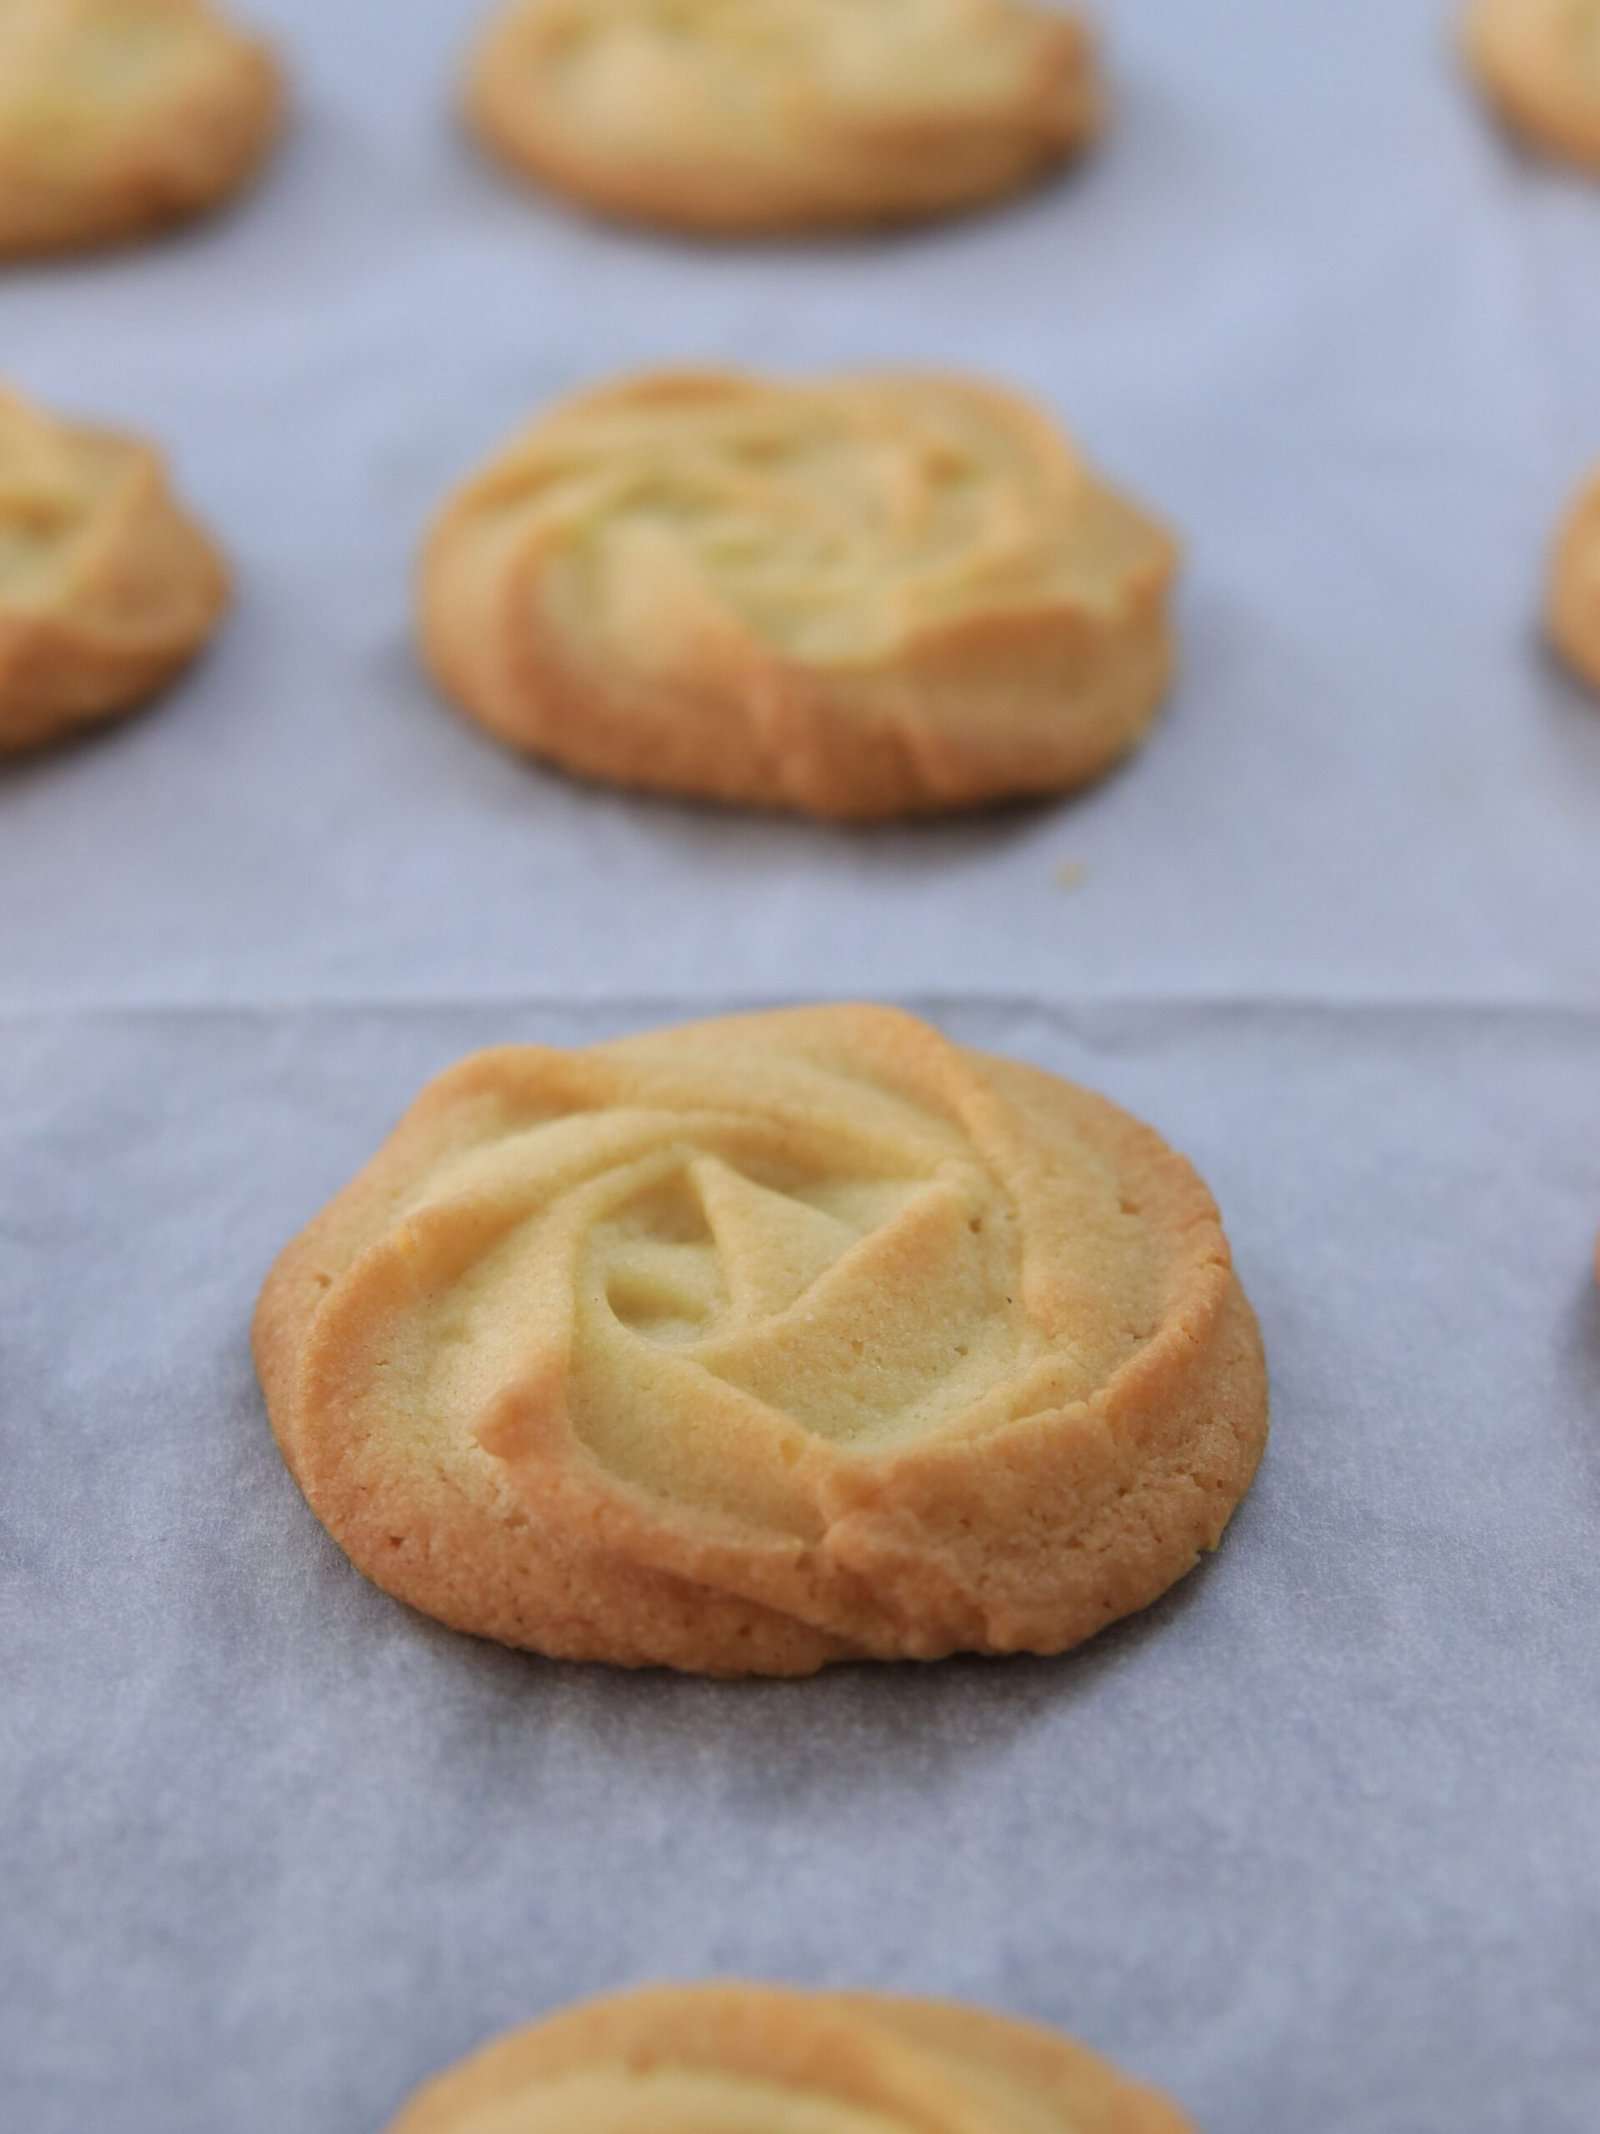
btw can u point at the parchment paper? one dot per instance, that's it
(1316, 1842)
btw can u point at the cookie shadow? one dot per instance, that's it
(748, 838)
(39, 761)
(745, 838)
(845, 246)
(35, 765)
(24, 770)
(849, 1728)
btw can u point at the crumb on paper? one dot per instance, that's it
(1070, 874)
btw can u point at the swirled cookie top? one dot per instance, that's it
(721, 1259)
(724, 2059)
(70, 69)
(833, 522)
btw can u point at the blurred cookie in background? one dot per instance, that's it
(744, 117)
(861, 597)
(120, 117)
(107, 586)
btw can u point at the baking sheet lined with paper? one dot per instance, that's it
(1312, 1841)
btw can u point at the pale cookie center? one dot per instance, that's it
(701, 1297)
(858, 1308)
(713, 1248)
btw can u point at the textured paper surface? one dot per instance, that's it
(1317, 1842)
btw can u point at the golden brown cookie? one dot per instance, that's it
(1539, 61)
(107, 586)
(735, 117)
(728, 2058)
(1575, 586)
(767, 1342)
(118, 117)
(871, 596)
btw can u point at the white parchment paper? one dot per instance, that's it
(1317, 1841)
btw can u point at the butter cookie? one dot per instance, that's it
(1575, 586)
(741, 117)
(118, 117)
(107, 586)
(767, 1342)
(870, 596)
(726, 2058)
(1539, 62)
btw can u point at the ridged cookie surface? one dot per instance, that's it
(107, 586)
(728, 2058)
(1539, 60)
(120, 116)
(767, 1342)
(862, 597)
(741, 116)
(1575, 586)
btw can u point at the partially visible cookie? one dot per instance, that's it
(107, 586)
(118, 117)
(744, 116)
(762, 1343)
(868, 596)
(731, 2058)
(1575, 586)
(1539, 61)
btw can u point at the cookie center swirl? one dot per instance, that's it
(771, 1275)
(831, 522)
(820, 1282)
(709, 1273)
